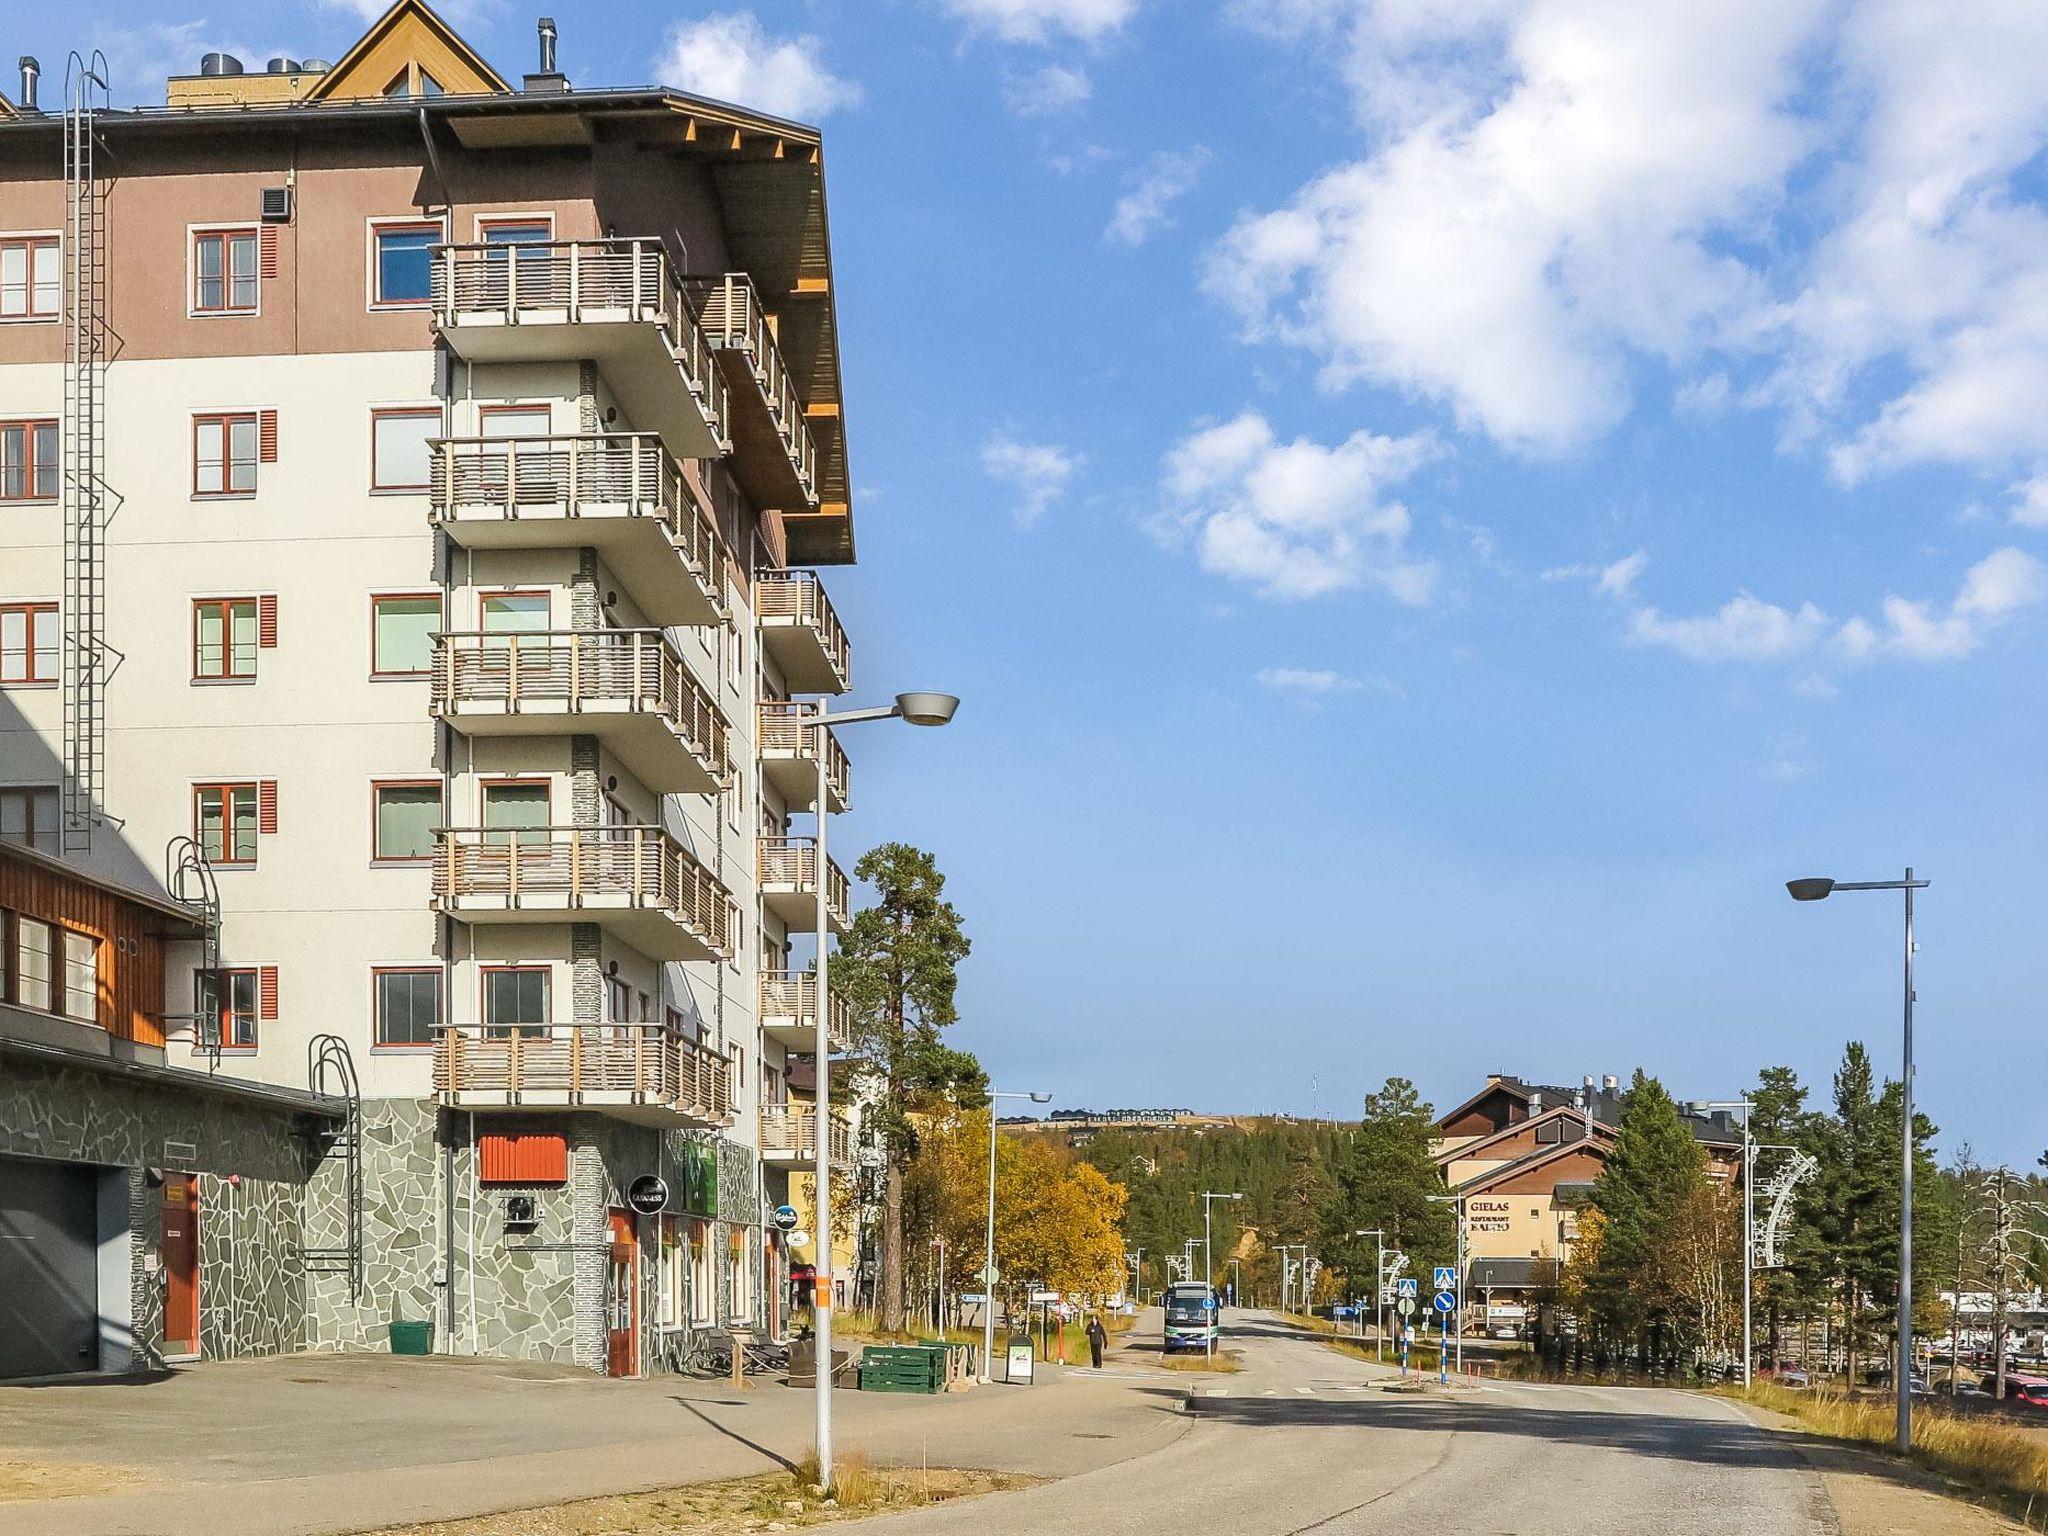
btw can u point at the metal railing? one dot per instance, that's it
(573, 281)
(577, 865)
(792, 1130)
(581, 669)
(730, 309)
(571, 475)
(646, 1063)
(780, 732)
(794, 995)
(798, 597)
(793, 862)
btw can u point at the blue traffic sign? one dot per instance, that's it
(1446, 1302)
(1446, 1278)
(1209, 1302)
(1406, 1286)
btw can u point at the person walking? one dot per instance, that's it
(1098, 1340)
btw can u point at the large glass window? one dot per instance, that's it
(224, 817)
(28, 460)
(408, 1006)
(402, 634)
(403, 262)
(31, 281)
(224, 638)
(399, 458)
(407, 816)
(29, 634)
(224, 454)
(224, 272)
(515, 1000)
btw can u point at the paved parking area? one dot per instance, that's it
(311, 1445)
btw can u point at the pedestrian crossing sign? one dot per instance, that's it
(1446, 1278)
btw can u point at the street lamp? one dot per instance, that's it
(1704, 1106)
(989, 1273)
(917, 709)
(1458, 1294)
(1209, 1254)
(1818, 889)
(1379, 1286)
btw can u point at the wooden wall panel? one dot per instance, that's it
(131, 954)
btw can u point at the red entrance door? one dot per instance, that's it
(622, 1299)
(181, 1264)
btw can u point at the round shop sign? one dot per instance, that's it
(799, 1238)
(785, 1217)
(648, 1195)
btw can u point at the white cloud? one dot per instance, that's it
(1144, 210)
(1047, 91)
(1307, 682)
(730, 57)
(142, 58)
(1790, 760)
(1619, 579)
(2030, 502)
(1038, 21)
(1037, 472)
(1815, 685)
(1295, 519)
(1744, 628)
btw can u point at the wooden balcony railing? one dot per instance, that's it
(791, 1130)
(734, 321)
(794, 995)
(571, 476)
(798, 598)
(572, 281)
(792, 864)
(574, 866)
(639, 1064)
(782, 735)
(583, 669)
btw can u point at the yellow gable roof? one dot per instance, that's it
(405, 38)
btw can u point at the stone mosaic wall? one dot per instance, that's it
(401, 1228)
(252, 1286)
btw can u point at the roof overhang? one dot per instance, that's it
(174, 1079)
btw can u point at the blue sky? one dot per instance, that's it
(1434, 517)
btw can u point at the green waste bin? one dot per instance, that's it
(412, 1338)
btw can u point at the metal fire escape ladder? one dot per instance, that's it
(188, 877)
(89, 503)
(332, 1074)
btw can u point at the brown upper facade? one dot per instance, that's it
(412, 127)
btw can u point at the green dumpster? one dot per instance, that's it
(408, 1338)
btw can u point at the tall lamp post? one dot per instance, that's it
(1819, 889)
(1209, 1253)
(1703, 1106)
(989, 1273)
(1379, 1286)
(916, 709)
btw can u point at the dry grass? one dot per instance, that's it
(21, 1479)
(2005, 1460)
(1226, 1362)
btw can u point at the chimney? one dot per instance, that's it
(549, 79)
(1535, 1105)
(31, 71)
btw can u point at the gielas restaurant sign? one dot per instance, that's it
(1487, 1215)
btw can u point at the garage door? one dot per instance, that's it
(49, 1290)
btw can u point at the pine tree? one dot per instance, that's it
(1854, 1154)
(1650, 1180)
(1384, 1180)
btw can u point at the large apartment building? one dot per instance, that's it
(412, 484)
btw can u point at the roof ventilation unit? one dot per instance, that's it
(31, 71)
(219, 64)
(280, 65)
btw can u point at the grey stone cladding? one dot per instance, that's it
(401, 1228)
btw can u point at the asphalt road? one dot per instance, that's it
(1305, 1439)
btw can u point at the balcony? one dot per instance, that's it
(789, 1012)
(635, 882)
(789, 1135)
(800, 630)
(627, 687)
(789, 884)
(619, 493)
(789, 756)
(772, 450)
(641, 1072)
(615, 302)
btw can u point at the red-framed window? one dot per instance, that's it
(407, 999)
(399, 458)
(29, 815)
(402, 262)
(29, 639)
(242, 998)
(228, 818)
(404, 816)
(515, 999)
(224, 271)
(28, 459)
(226, 447)
(226, 634)
(31, 278)
(402, 629)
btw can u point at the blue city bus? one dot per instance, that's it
(1193, 1316)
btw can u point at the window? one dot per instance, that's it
(31, 284)
(402, 634)
(235, 1002)
(515, 421)
(738, 1273)
(35, 963)
(402, 262)
(224, 638)
(516, 810)
(406, 817)
(224, 819)
(515, 998)
(28, 461)
(398, 446)
(28, 814)
(224, 454)
(516, 613)
(618, 1000)
(224, 272)
(413, 80)
(81, 977)
(28, 643)
(703, 1281)
(408, 1006)
(673, 1274)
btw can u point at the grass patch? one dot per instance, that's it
(2006, 1461)
(1226, 1363)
